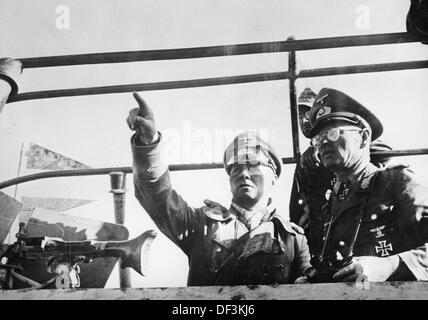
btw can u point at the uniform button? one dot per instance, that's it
(218, 249)
(323, 238)
(373, 216)
(341, 243)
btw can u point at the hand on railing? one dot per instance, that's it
(142, 121)
(376, 269)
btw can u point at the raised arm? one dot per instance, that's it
(153, 189)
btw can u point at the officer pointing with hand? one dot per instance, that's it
(249, 243)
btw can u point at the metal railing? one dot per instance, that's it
(220, 51)
(216, 51)
(292, 74)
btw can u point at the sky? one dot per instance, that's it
(92, 129)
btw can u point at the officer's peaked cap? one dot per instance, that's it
(248, 147)
(334, 105)
(307, 97)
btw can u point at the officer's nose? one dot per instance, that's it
(245, 173)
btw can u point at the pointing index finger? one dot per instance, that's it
(144, 108)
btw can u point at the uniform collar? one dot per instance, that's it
(268, 214)
(360, 180)
(366, 177)
(253, 218)
(235, 211)
(358, 194)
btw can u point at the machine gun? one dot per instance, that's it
(63, 257)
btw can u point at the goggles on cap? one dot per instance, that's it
(331, 135)
(252, 160)
(253, 169)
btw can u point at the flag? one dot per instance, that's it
(41, 158)
(57, 204)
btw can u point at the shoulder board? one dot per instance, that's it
(285, 224)
(216, 213)
(397, 167)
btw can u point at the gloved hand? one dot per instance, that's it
(301, 280)
(374, 269)
(142, 121)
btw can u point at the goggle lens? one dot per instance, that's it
(331, 135)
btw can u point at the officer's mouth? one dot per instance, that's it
(245, 186)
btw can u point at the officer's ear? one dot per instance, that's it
(230, 182)
(365, 138)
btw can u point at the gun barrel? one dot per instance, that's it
(134, 252)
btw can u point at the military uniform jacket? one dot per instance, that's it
(308, 192)
(220, 248)
(391, 208)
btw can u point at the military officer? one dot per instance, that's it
(250, 243)
(10, 72)
(375, 223)
(312, 181)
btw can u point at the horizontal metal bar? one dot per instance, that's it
(216, 51)
(381, 67)
(174, 167)
(103, 171)
(401, 153)
(167, 85)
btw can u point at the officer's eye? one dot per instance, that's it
(235, 169)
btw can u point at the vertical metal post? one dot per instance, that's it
(118, 184)
(293, 103)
